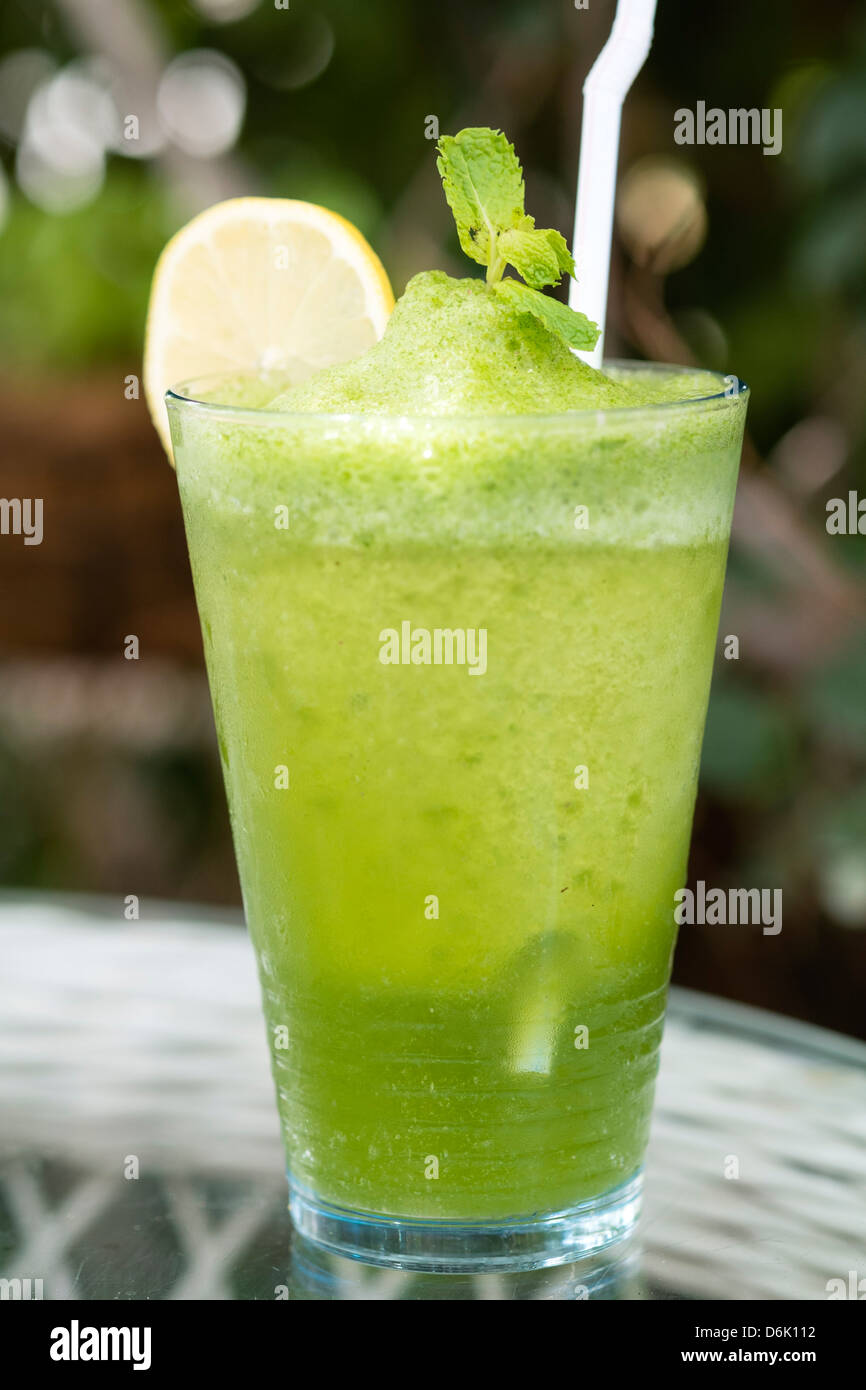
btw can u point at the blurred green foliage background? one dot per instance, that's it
(743, 261)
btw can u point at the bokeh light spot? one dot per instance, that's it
(69, 122)
(225, 11)
(661, 215)
(308, 51)
(201, 102)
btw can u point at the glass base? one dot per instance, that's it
(445, 1247)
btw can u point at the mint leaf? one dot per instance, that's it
(483, 183)
(561, 251)
(574, 328)
(539, 256)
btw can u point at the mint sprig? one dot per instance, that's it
(483, 183)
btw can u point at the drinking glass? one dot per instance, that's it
(460, 669)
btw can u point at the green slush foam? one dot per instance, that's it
(453, 347)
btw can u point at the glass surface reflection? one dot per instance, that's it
(318, 1275)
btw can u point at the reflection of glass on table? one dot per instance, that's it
(143, 1041)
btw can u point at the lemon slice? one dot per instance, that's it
(260, 284)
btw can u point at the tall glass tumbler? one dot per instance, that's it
(460, 671)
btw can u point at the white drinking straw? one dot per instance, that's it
(604, 91)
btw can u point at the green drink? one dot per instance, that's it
(459, 600)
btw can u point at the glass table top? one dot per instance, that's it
(140, 1154)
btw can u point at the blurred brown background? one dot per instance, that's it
(739, 260)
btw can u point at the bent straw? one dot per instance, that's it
(604, 91)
